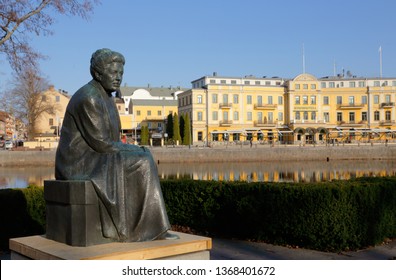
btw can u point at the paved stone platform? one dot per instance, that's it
(188, 247)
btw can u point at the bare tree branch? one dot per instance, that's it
(21, 18)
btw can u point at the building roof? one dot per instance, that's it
(153, 91)
(159, 102)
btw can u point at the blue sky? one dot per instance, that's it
(171, 43)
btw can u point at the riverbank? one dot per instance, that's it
(231, 153)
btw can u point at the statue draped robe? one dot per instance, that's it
(124, 176)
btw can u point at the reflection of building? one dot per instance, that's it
(147, 106)
(300, 110)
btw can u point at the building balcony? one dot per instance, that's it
(350, 106)
(388, 105)
(387, 122)
(263, 123)
(260, 106)
(225, 105)
(351, 123)
(226, 123)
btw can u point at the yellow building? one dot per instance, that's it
(300, 110)
(147, 106)
(48, 125)
(234, 109)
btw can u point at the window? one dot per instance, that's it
(297, 99)
(305, 99)
(138, 112)
(377, 83)
(351, 117)
(259, 100)
(331, 85)
(225, 98)
(199, 116)
(51, 121)
(215, 116)
(351, 100)
(233, 82)
(339, 116)
(199, 99)
(212, 81)
(387, 98)
(388, 115)
(305, 115)
(305, 86)
(259, 117)
(313, 116)
(313, 86)
(362, 84)
(270, 117)
(326, 116)
(149, 125)
(249, 116)
(159, 112)
(280, 116)
(214, 98)
(247, 83)
(339, 100)
(257, 83)
(149, 113)
(57, 98)
(364, 116)
(297, 115)
(352, 84)
(325, 100)
(376, 116)
(313, 99)
(236, 98)
(280, 100)
(297, 86)
(364, 99)
(376, 99)
(199, 135)
(159, 125)
(249, 99)
(236, 116)
(323, 84)
(225, 115)
(223, 81)
(393, 83)
(270, 100)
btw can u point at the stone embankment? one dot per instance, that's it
(258, 153)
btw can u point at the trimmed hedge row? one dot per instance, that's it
(22, 213)
(330, 216)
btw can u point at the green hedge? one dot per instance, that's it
(331, 216)
(22, 213)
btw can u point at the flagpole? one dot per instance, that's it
(380, 56)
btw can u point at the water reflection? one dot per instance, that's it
(306, 171)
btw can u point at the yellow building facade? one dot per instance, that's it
(300, 110)
(147, 106)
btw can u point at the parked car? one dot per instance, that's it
(8, 145)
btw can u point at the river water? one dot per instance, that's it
(301, 171)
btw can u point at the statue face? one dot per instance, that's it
(111, 77)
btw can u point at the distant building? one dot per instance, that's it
(48, 126)
(300, 110)
(147, 106)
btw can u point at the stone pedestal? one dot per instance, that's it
(72, 210)
(188, 247)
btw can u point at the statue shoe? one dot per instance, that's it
(168, 236)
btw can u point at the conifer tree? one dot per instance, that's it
(176, 129)
(187, 130)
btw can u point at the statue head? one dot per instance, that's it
(107, 67)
